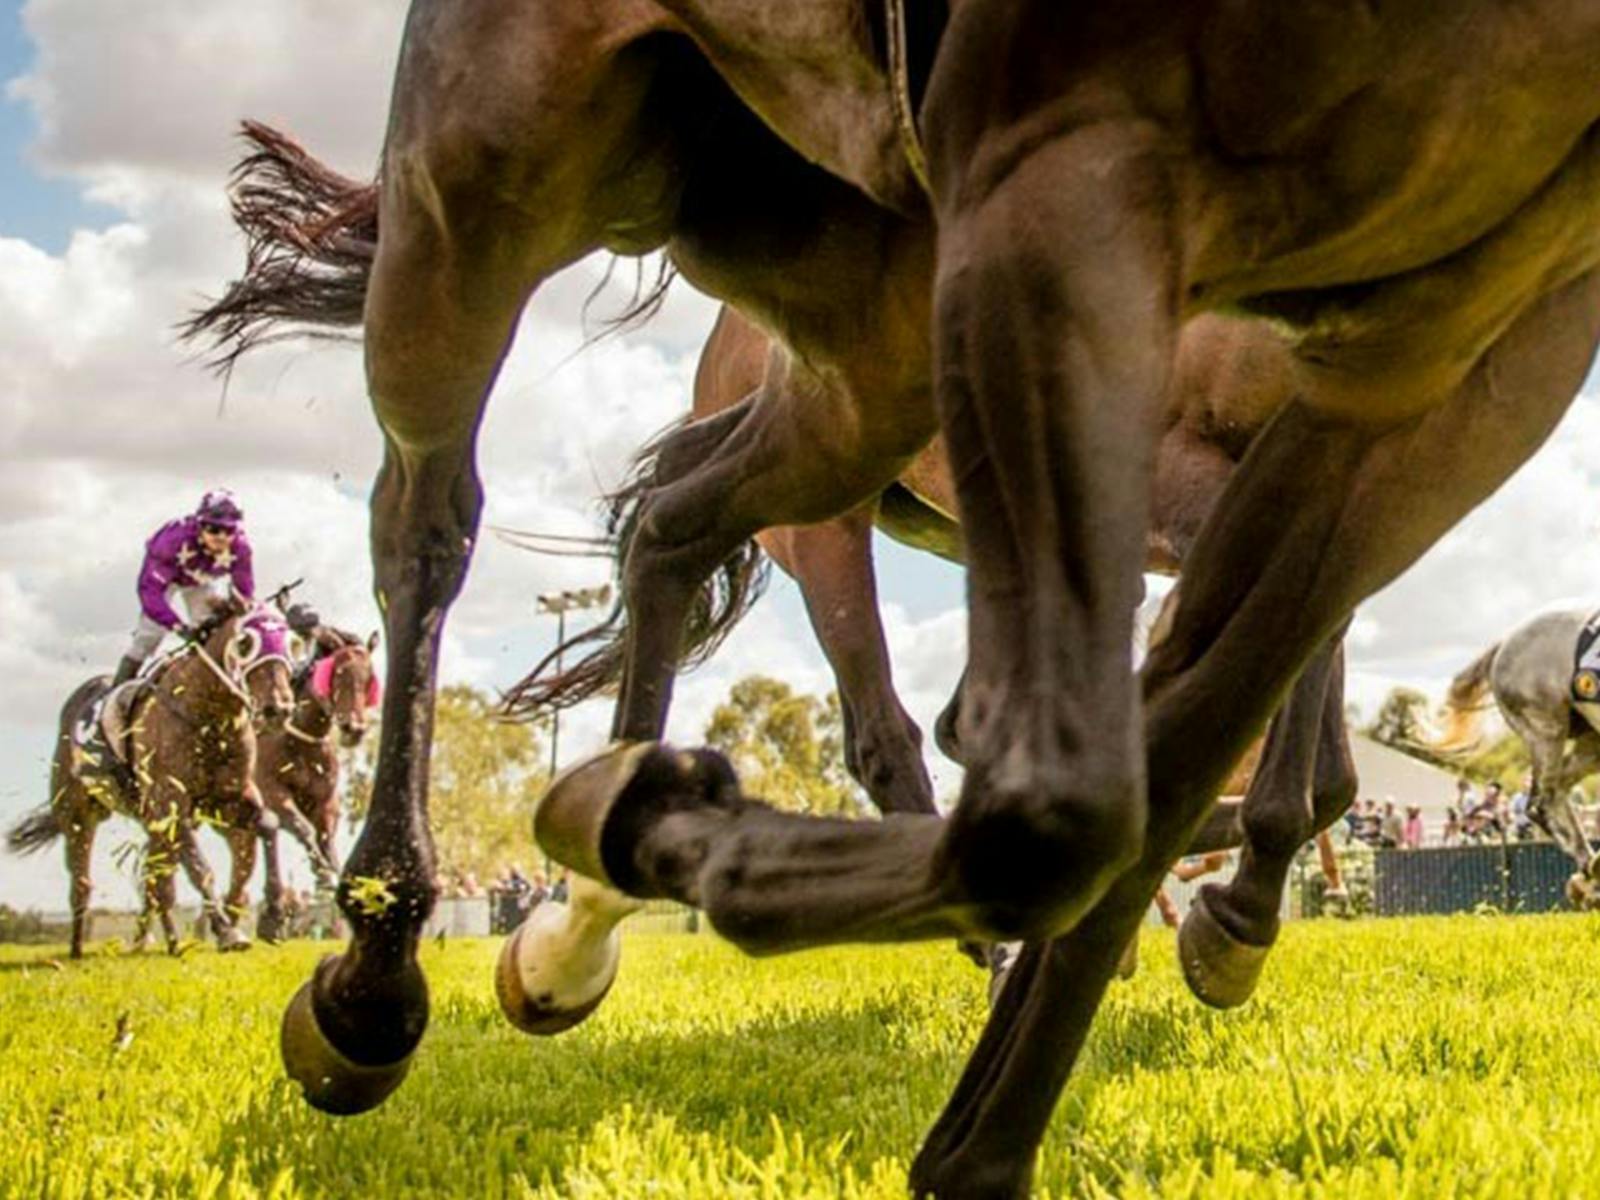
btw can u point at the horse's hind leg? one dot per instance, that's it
(1304, 781)
(832, 563)
(224, 928)
(79, 845)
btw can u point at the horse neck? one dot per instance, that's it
(312, 715)
(201, 687)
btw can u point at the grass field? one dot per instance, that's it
(1418, 1058)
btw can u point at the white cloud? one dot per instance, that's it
(107, 428)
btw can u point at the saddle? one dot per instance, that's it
(1586, 663)
(102, 751)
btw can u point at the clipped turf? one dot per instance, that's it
(1417, 1058)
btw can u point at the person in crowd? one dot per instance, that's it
(1451, 835)
(1483, 819)
(1370, 827)
(562, 888)
(1391, 829)
(1411, 836)
(1521, 820)
(194, 558)
(469, 885)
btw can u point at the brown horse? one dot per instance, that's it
(191, 740)
(1231, 377)
(1412, 191)
(297, 769)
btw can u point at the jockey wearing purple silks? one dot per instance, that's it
(194, 557)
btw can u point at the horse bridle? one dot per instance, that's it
(342, 653)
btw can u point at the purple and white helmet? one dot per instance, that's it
(218, 507)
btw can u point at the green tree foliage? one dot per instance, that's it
(485, 776)
(788, 747)
(1399, 722)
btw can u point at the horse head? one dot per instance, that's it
(347, 682)
(251, 644)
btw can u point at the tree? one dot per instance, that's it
(788, 747)
(485, 776)
(1400, 721)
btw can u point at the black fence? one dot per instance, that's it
(1509, 876)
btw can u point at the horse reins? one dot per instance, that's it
(905, 116)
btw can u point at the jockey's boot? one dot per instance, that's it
(126, 670)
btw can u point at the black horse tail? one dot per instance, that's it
(35, 831)
(723, 600)
(311, 235)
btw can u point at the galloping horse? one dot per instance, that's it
(190, 745)
(1530, 676)
(297, 770)
(1231, 377)
(1412, 191)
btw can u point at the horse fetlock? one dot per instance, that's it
(1031, 868)
(560, 963)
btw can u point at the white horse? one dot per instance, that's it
(1530, 675)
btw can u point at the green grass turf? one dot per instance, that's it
(1417, 1058)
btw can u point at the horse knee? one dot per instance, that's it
(1041, 846)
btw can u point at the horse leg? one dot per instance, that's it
(228, 934)
(456, 261)
(309, 837)
(1048, 415)
(1555, 772)
(160, 889)
(1320, 515)
(270, 924)
(79, 842)
(1302, 783)
(242, 852)
(832, 563)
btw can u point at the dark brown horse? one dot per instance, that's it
(297, 770)
(1231, 377)
(1412, 191)
(191, 744)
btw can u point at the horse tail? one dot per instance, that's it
(311, 235)
(723, 600)
(1464, 706)
(35, 831)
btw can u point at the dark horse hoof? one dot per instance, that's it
(594, 813)
(328, 1080)
(572, 816)
(560, 963)
(1220, 970)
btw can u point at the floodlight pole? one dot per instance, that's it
(561, 603)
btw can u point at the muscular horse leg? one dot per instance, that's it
(224, 926)
(1319, 516)
(270, 924)
(832, 563)
(1555, 772)
(1230, 927)
(1052, 459)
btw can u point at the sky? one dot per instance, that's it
(116, 135)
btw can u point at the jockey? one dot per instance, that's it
(190, 557)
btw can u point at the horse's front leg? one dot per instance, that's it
(446, 290)
(242, 852)
(1320, 515)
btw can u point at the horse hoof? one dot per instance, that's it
(559, 964)
(328, 1080)
(1128, 964)
(231, 940)
(572, 816)
(1581, 892)
(1220, 970)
